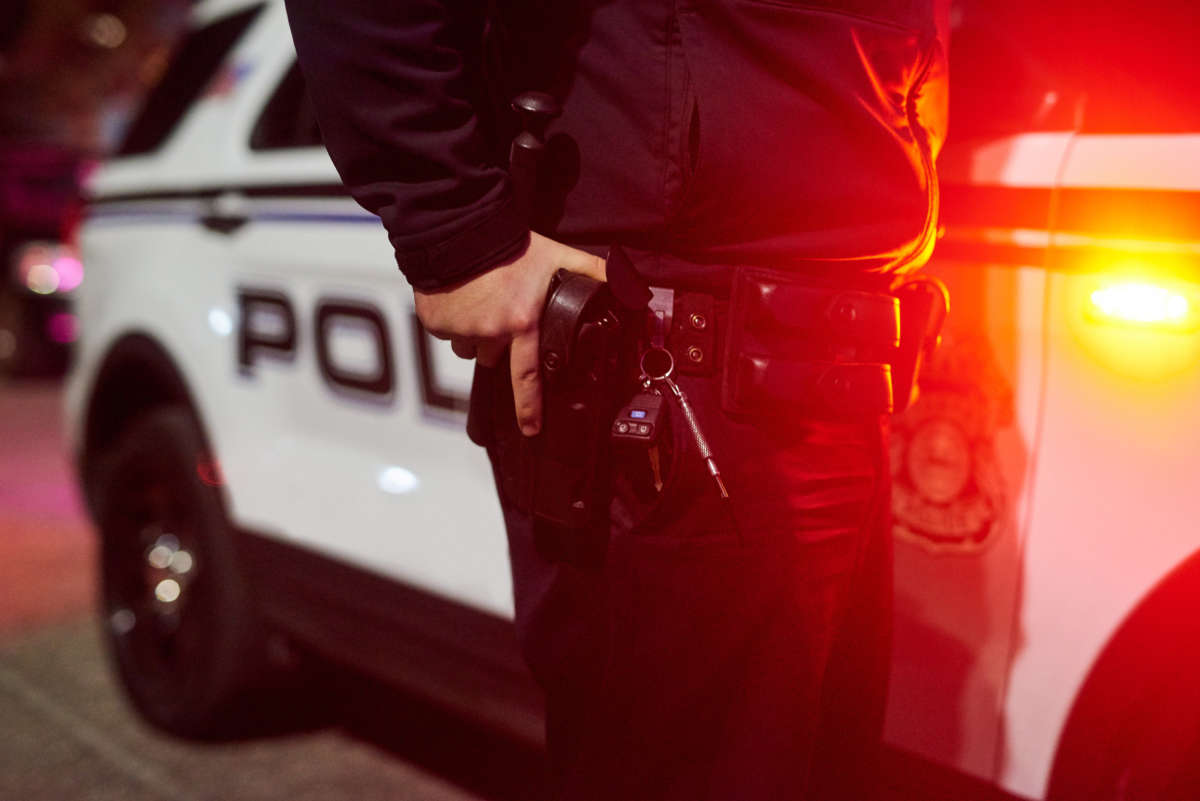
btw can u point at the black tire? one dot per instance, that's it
(1154, 757)
(1163, 764)
(1134, 729)
(177, 610)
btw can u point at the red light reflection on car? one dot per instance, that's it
(209, 472)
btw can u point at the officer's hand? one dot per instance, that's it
(502, 307)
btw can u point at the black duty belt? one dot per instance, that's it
(780, 344)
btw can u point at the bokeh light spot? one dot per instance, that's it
(42, 279)
(70, 272)
(122, 621)
(168, 591)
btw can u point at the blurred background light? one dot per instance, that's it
(46, 268)
(105, 30)
(69, 269)
(123, 621)
(42, 279)
(168, 591)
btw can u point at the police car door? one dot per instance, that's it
(350, 424)
(1113, 515)
(963, 455)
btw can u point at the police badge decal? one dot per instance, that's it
(948, 491)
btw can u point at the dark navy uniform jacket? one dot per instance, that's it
(787, 133)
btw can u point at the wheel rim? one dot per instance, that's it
(153, 599)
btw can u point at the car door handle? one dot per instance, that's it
(226, 213)
(223, 223)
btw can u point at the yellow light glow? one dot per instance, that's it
(1140, 323)
(1141, 303)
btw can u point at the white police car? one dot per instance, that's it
(270, 443)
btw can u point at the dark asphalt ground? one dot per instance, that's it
(66, 733)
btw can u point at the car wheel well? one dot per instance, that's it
(1137, 716)
(136, 377)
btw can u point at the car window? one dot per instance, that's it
(192, 67)
(288, 120)
(1005, 74)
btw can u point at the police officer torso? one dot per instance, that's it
(734, 131)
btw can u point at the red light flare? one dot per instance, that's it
(208, 470)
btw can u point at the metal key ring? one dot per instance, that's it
(657, 363)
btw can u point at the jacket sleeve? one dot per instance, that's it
(395, 85)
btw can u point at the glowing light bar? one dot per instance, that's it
(1143, 304)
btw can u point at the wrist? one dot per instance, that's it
(498, 237)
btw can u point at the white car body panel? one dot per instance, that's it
(1115, 468)
(1164, 161)
(319, 433)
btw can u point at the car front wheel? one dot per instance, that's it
(180, 621)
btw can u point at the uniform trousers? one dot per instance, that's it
(732, 650)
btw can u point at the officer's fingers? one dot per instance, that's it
(527, 384)
(488, 353)
(463, 349)
(579, 261)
